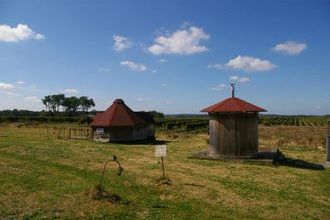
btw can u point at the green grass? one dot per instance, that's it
(41, 178)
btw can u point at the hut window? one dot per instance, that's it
(99, 130)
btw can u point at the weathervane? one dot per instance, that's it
(232, 90)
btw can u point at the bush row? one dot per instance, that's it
(196, 126)
(42, 119)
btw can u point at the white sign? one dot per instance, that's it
(160, 150)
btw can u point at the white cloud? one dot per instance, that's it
(182, 42)
(32, 99)
(70, 91)
(162, 60)
(104, 69)
(154, 71)
(121, 43)
(20, 82)
(249, 64)
(168, 101)
(290, 48)
(137, 67)
(164, 85)
(140, 99)
(215, 66)
(11, 94)
(239, 79)
(219, 87)
(6, 86)
(318, 107)
(19, 33)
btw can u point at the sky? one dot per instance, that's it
(173, 56)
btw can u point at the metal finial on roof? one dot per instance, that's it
(232, 90)
(119, 101)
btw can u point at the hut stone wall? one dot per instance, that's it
(128, 133)
(233, 135)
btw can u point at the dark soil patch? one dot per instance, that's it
(99, 193)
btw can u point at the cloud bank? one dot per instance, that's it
(121, 43)
(250, 64)
(19, 33)
(181, 42)
(137, 67)
(290, 48)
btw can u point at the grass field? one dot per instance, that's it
(41, 178)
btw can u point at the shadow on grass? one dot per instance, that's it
(301, 164)
(140, 142)
(278, 158)
(263, 158)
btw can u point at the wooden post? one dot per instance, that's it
(163, 166)
(328, 142)
(328, 148)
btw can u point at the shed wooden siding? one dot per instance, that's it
(233, 135)
(129, 133)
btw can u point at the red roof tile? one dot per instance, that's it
(233, 105)
(118, 114)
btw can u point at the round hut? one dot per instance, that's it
(233, 128)
(120, 123)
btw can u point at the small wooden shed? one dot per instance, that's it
(120, 123)
(233, 128)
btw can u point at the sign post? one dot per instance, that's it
(160, 152)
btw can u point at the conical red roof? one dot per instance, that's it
(233, 105)
(118, 114)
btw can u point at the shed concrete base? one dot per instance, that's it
(203, 155)
(327, 164)
(206, 155)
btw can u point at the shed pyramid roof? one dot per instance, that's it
(233, 104)
(118, 114)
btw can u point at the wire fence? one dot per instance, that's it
(69, 132)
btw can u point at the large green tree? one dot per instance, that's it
(58, 101)
(71, 104)
(86, 103)
(47, 102)
(53, 103)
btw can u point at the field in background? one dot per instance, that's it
(172, 122)
(200, 123)
(41, 178)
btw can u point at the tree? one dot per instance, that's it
(86, 103)
(71, 104)
(53, 102)
(58, 101)
(46, 101)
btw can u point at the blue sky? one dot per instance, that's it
(169, 56)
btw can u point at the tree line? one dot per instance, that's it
(57, 103)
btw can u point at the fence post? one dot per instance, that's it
(328, 148)
(328, 142)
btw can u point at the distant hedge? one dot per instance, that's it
(43, 119)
